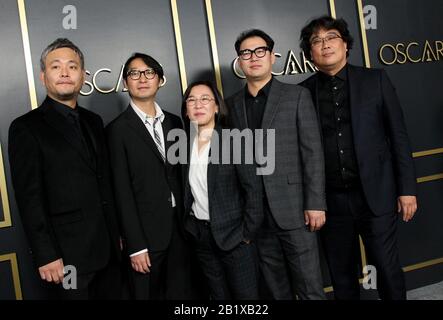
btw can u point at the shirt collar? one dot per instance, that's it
(62, 108)
(342, 74)
(265, 90)
(144, 117)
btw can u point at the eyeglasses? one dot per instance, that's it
(204, 100)
(136, 74)
(318, 42)
(259, 52)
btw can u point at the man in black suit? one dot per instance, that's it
(369, 169)
(61, 176)
(148, 187)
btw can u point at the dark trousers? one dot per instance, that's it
(349, 216)
(230, 274)
(104, 284)
(290, 264)
(169, 277)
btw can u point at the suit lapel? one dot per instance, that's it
(187, 195)
(61, 125)
(212, 175)
(139, 127)
(313, 88)
(213, 167)
(355, 94)
(240, 109)
(271, 104)
(314, 93)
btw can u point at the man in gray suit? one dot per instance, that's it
(294, 196)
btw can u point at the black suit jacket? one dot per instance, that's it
(143, 182)
(235, 198)
(380, 138)
(65, 200)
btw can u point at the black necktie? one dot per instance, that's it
(81, 134)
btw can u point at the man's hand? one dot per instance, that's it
(408, 206)
(141, 262)
(315, 219)
(52, 272)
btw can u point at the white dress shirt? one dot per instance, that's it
(198, 180)
(148, 121)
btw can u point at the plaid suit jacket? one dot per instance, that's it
(298, 180)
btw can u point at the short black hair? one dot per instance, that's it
(253, 33)
(61, 43)
(148, 60)
(328, 23)
(220, 118)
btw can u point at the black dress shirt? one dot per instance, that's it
(335, 118)
(255, 106)
(73, 117)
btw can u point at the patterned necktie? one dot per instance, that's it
(157, 139)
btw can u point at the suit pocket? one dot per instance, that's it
(67, 217)
(294, 178)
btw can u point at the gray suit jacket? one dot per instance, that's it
(298, 181)
(235, 199)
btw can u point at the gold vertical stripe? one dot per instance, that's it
(363, 34)
(427, 152)
(27, 51)
(16, 277)
(12, 258)
(179, 45)
(214, 45)
(430, 178)
(332, 8)
(4, 195)
(364, 261)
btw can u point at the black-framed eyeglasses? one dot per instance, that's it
(259, 52)
(318, 42)
(136, 74)
(204, 100)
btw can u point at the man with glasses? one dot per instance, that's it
(369, 169)
(148, 187)
(294, 200)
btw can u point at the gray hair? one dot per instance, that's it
(57, 44)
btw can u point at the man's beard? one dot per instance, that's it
(67, 96)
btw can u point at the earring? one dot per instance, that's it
(163, 82)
